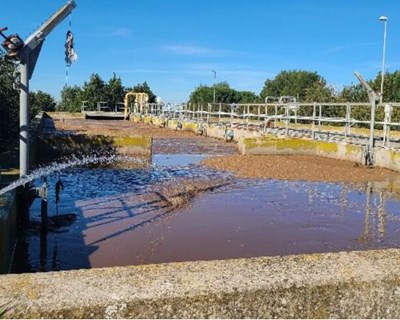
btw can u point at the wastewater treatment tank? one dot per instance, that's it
(177, 209)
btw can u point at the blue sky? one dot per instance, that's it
(174, 45)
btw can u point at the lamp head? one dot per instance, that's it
(383, 18)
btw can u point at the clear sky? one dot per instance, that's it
(175, 44)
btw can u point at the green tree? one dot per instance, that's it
(391, 89)
(248, 97)
(225, 94)
(143, 87)
(391, 86)
(94, 90)
(114, 91)
(201, 95)
(319, 92)
(71, 99)
(41, 101)
(354, 93)
(303, 85)
(9, 106)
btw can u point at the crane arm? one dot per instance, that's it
(44, 30)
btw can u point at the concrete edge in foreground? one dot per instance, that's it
(330, 285)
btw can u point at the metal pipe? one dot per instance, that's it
(24, 118)
(313, 121)
(372, 125)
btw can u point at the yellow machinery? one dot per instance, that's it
(141, 99)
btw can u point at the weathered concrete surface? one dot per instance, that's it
(9, 164)
(8, 229)
(334, 285)
(383, 157)
(273, 145)
(61, 145)
(56, 144)
(254, 142)
(387, 158)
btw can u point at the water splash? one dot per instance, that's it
(73, 162)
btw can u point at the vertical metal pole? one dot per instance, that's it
(319, 116)
(24, 118)
(372, 127)
(215, 76)
(247, 116)
(265, 118)
(313, 122)
(286, 120)
(388, 120)
(384, 19)
(347, 128)
(231, 116)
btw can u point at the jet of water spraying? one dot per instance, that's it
(73, 162)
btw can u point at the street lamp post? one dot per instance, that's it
(384, 20)
(215, 76)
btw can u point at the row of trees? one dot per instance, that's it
(223, 94)
(305, 86)
(96, 90)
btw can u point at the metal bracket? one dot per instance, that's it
(373, 98)
(16, 80)
(369, 156)
(228, 134)
(40, 192)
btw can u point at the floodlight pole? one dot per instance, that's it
(384, 20)
(27, 57)
(215, 75)
(373, 98)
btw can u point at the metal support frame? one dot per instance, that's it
(26, 56)
(373, 98)
(386, 124)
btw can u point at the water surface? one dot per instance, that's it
(122, 219)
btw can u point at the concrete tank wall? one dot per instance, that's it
(383, 157)
(54, 146)
(254, 142)
(331, 285)
(9, 164)
(8, 229)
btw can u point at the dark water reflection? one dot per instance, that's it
(115, 226)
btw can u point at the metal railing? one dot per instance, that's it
(349, 120)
